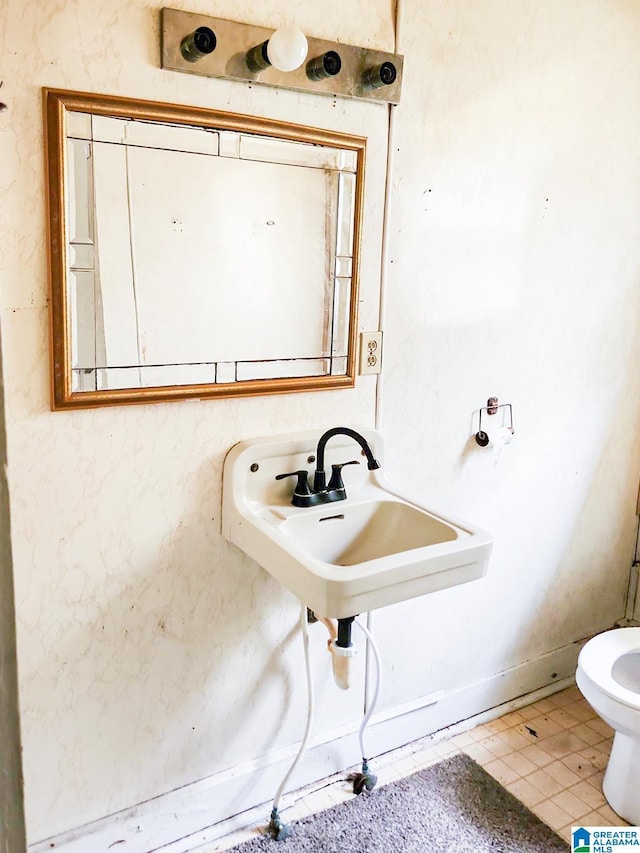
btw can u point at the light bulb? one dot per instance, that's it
(287, 49)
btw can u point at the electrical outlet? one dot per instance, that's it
(370, 352)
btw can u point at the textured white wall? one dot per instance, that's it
(12, 827)
(516, 272)
(151, 653)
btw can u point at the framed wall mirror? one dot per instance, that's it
(197, 253)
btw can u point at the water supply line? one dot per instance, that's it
(366, 779)
(277, 828)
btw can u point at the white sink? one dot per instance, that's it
(346, 557)
(360, 532)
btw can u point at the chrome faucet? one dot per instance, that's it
(321, 493)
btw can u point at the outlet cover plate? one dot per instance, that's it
(370, 352)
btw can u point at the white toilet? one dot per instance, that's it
(608, 676)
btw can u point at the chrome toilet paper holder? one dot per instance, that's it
(492, 408)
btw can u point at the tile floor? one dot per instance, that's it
(551, 755)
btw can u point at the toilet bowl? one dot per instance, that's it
(608, 676)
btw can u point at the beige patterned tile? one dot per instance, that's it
(544, 726)
(596, 780)
(520, 763)
(590, 819)
(479, 753)
(581, 711)
(598, 757)
(526, 792)
(514, 718)
(565, 832)
(528, 712)
(567, 697)
(538, 756)
(546, 784)
(608, 815)
(594, 819)
(573, 805)
(529, 732)
(589, 735)
(496, 746)
(588, 794)
(562, 774)
(553, 815)
(544, 705)
(563, 718)
(514, 739)
(478, 733)
(562, 744)
(495, 726)
(580, 765)
(501, 771)
(574, 692)
(602, 727)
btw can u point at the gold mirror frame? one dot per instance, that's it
(57, 103)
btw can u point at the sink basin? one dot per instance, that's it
(357, 533)
(373, 549)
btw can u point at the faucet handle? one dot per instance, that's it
(335, 483)
(301, 489)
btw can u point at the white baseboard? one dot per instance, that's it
(184, 819)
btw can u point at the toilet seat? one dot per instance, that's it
(598, 656)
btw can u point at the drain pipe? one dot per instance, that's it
(341, 651)
(341, 648)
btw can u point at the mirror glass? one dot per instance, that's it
(198, 253)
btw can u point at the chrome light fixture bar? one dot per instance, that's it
(215, 47)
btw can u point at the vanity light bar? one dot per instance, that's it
(215, 47)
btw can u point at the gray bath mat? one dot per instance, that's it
(451, 807)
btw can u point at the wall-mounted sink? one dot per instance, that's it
(353, 533)
(342, 558)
